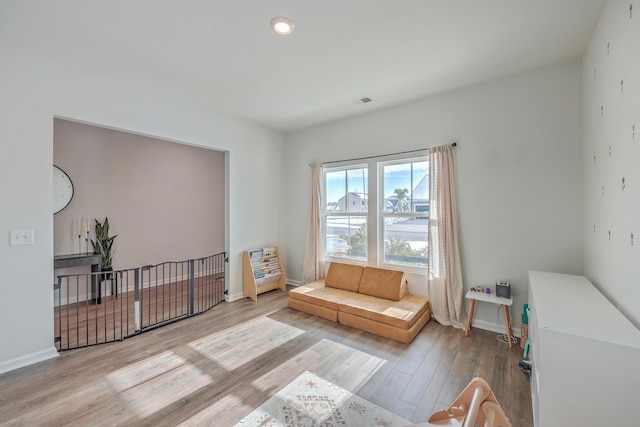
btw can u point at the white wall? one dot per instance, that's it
(611, 154)
(42, 87)
(519, 174)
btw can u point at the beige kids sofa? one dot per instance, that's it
(373, 299)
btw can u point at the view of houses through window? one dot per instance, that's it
(399, 224)
(345, 224)
(405, 212)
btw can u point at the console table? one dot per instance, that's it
(76, 260)
(494, 299)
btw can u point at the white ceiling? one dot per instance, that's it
(394, 51)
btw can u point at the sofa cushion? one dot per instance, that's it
(316, 310)
(344, 276)
(402, 314)
(383, 283)
(392, 332)
(317, 293)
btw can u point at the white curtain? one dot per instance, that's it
(313, 268)
(446, 289)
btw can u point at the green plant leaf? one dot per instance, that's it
(103, 244)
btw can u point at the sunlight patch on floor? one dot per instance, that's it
(146, 386)
(149, 385)
(145, 370)
(359, 365)
(244, 343)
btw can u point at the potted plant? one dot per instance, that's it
(103, 245)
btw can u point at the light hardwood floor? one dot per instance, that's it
(215, 368)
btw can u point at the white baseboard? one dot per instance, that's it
(233, 297)
(240, 295)
(28, 359)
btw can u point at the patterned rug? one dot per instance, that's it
(310, 401)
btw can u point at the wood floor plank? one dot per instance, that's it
(215, 368)
(428, 402)
(403, 409)
(416, 389)
(390, 390)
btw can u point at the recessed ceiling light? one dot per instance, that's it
(282, 25)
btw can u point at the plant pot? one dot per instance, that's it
(107, 273)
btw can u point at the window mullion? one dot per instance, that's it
(372, 215)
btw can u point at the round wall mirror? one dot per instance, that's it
(62, 189)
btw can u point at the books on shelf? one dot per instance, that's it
(257, 263)
(263, 271)
(255, 254)
(264, 262)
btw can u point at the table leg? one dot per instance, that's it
(471, 307)
(96, 285)
(507, 322)
(96, 289)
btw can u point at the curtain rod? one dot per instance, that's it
(454, 144)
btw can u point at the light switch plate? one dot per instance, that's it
(22, 237)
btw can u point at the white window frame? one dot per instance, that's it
(326, 213)
(384, 216)
(374, 214)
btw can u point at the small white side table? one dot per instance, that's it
(492, 298)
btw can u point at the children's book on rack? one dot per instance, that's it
(255, 254)
(262, 272)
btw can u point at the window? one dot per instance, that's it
(404, 212)
(394, 231)
(345, 216)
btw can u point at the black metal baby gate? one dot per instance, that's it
(101, 307)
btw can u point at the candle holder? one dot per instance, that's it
(79, 248)
(86, 242)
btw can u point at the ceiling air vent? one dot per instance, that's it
(360, 101)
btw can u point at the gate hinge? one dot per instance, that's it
(56, 339)
(226, 291)
(226, 259)
(56, 286)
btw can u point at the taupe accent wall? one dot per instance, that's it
(164, 200)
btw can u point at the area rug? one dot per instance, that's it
(310, 401)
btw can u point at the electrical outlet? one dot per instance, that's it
(22, 237)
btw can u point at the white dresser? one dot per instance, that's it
(585, 354)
